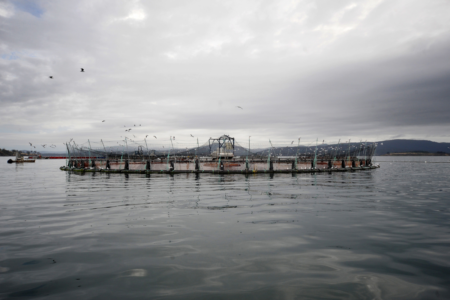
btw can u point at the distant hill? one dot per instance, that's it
(406, 147)
(403, 146)
(4, 152)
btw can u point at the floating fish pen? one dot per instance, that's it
(221, 155)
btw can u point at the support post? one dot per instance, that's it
(128, 153)
(146, 146)
(348, 157)
(315, 155)
(68, 152)
(89, 152)
(168, 157)
(268, 157)
(106, 154)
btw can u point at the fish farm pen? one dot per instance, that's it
(221, 155)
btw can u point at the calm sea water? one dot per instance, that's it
(380, 234)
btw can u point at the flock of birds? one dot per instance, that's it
(82, 70)
(127, 130)
(43, 146)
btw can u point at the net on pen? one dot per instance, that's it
(224, 146)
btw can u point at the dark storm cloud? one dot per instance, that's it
(316, 69)
(400, 91)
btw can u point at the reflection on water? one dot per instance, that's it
(380, 234)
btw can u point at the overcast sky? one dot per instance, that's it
(370, 70)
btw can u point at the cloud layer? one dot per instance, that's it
(328, 69)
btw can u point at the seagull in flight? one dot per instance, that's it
(292, 142)
(103, 121)
(155, 137)
(146, 136)
(82, 70)
(44, 145)
(30, 144)
(192, 135)
(239, 107)
(51, 77)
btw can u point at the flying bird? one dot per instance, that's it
(139, 124)
(30, 144)
(82, 70)
(134, 125)
(134, 135)
(155, 137)
(51, 77)
(103, 121)
(192, 135)
(146, 136)
(239, 107)
(292, 142)
(44, 145)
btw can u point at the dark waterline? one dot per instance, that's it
(380, 234)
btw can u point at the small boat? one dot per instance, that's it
(20, 159)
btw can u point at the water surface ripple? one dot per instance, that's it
(380, 234)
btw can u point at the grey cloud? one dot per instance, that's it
(326, 69)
